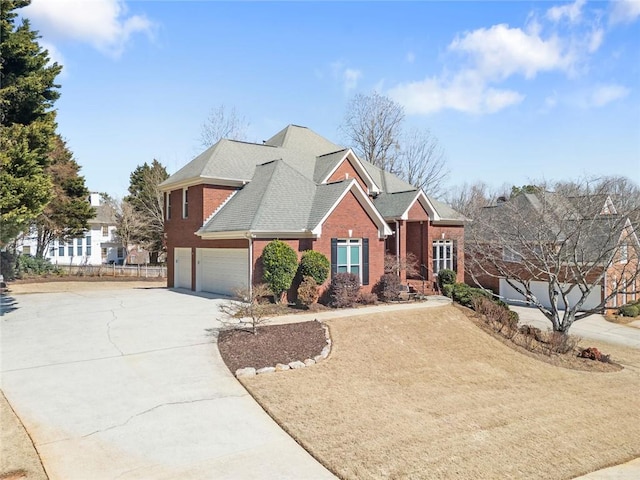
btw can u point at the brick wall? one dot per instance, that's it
(345, 168)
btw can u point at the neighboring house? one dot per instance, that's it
(97, 246)
(581, 241)
(223, 207)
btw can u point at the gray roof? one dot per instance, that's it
(445, 212)
(105, 215)
(281, 178)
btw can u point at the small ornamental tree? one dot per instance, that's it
(314, 264)
(280, 263)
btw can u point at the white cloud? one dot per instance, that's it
(104, 24)
(624, 11)
(466, 92)
(54, 54)
(500, 51)
(349, 77)
(602, 95)
(572, 12)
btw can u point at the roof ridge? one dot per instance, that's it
(332, 153)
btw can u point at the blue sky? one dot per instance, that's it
(514, 91)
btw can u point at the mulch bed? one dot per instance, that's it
(272, 345)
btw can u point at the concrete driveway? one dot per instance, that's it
(594, 327)
(129, 384)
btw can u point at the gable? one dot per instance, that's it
(349, 214)
(417, 212)
(345, 171)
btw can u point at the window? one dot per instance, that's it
(61, 249)
(509, 255)
(185, 203)
(70, 248)
(26, 250)
(624, 253)
(79, 247)
(87, 240)
(351, 255)
(120, 252)
(52, 251)
(443, 255)
(168, 204)
(103, 254)
(105, 230)
(624, 292)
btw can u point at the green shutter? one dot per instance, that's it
(334, 256)
(365, 261)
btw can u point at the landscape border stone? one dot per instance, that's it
(296, 364)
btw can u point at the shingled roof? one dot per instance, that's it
(282, 183)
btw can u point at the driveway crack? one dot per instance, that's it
(166, 404)
(115, 317)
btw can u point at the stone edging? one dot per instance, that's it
(280, 367)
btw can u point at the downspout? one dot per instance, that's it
(398, 247)
(250, 266)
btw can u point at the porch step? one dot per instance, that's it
(423, 288)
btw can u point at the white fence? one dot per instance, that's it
(142, 271)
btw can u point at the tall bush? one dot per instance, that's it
(388, 287)
(280, 264)
(314, 264)
(344, 290)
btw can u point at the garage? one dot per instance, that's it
(222, 270)
(541, 291)
(182, 268)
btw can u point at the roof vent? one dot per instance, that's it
(346, 176)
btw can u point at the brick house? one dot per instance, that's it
(537, 245)
(223, 207)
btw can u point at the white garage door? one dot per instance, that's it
(182, 268)
(541, 291)
(222, 270)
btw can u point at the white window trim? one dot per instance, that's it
(436, 260)
(167, 208)
(624, 253)
(351, 242)
(185, 203)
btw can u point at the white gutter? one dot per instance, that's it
(250, 268)
(398, 247)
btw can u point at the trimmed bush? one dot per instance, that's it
(464, 294)
(280, 263)
(314, 264)
(629, 310)
(388, 287)
(344, 290)
(446, 276)
(447, 290)
(308, 291)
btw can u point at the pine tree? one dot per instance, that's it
(27, 122)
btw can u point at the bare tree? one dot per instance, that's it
(247, 310)
(423, 161)
(223, 123)
(469, 199)
(568, 243)
(130, 225)
(373, 125)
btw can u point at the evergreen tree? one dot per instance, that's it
(147, 199)
(67, 214)
(27, 122)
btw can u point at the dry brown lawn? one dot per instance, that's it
(427, 394)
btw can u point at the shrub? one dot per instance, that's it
(367, 298)
(592, 353)
(308, 291)
(316, 265)
(280, 264)
(446, 277)
(246, 311)
(464, 294)
(496, 315)
(388, 287)
(344, 290)
(27, 265)
(447, 290)
(629, 310)
(559, 342)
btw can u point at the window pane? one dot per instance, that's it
(355, 255)
(342, 269)
(342, 255)
(355, 269)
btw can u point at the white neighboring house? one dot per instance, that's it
(98, 246)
